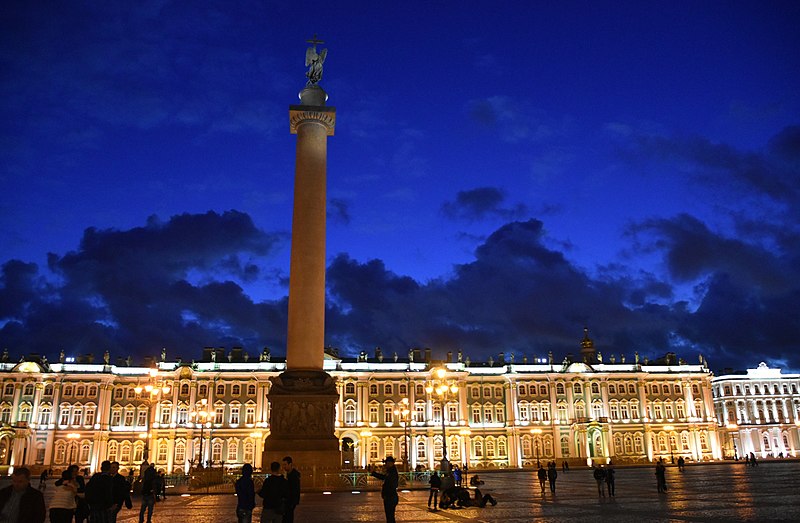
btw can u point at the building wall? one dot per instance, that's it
(497, 416)
(759, 412)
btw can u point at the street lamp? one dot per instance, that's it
(536, 433)
(443, 388)
(404, 413)
(73, 444)
(152, 390)
(199, 419)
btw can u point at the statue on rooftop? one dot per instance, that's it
(314, 61)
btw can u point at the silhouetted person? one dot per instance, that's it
(120, 491)
(293, 486)
(245, 495)
(436, 483)
(542, 475)
(552, 474)
(100, 495)
(391, 479)
(661, 478)
(62, 506)
(599, 476)
(681, 463)
(149, 490)
(20, 502)
(610, 479)
(274, 490)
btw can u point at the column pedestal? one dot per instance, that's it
(303, 406)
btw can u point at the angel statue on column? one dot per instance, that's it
(314, 61)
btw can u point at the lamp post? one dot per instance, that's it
(404, 413)
(536, 436)
(73, 444)
(199, 419)
(152, 390)
(442, 388)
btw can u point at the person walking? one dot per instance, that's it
(100, 495)
(436, 483)
(681, 463)
(552, 474)
(391, 479)
(245, 495)
(63, 505)
(149, 486)
(20, 502)
(120, 491)
(661, 478)
(43, 480)
(542, 475)
(599, 476)
(610, 473)
(274, 491)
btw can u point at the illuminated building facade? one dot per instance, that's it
(504, 414)
(759, 412)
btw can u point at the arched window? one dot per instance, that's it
(162, 452)
(577, 388)
(559, 388)
(526, 447)
(233, 451)
(236, 390)
(387, 389)
(180, 453)
(48, 389)
(421, 449)
(595, 388)
(45, 413)
(502, 447)
(490, 447)
(373, 450)
(350, 414)
(220, 389)
(216, 450)
(202, 391)
(92, 391)
(350, 388)
(251, 389)
(373, 389)
(403, 389)
(477, 448)
(249, 452)
(28, 390)
(543, 390)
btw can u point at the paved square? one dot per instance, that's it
(714, 492)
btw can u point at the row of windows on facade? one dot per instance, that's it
(130, 416)
(757, 389)
(233, 450)
(760, 411)
(523, 389)
(129, 391)
(495, 413)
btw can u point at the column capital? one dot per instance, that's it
(299, 114)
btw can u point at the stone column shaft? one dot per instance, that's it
(306, 333)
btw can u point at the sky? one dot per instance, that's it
(502, 175)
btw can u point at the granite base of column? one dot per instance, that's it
(302, 421)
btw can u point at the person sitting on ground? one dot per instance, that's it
(475, 481)
(482, 499)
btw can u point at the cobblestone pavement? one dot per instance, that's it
(714, 492)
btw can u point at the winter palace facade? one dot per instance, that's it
(493, 414)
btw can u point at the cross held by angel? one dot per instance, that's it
(314, 61)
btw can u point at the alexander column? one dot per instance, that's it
(303, 398)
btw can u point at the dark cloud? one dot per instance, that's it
(773, 172)
(480, 203)
(168, 284)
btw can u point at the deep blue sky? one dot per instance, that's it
(502, 174)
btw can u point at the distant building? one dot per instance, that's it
(499, 413)
(759, 412)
